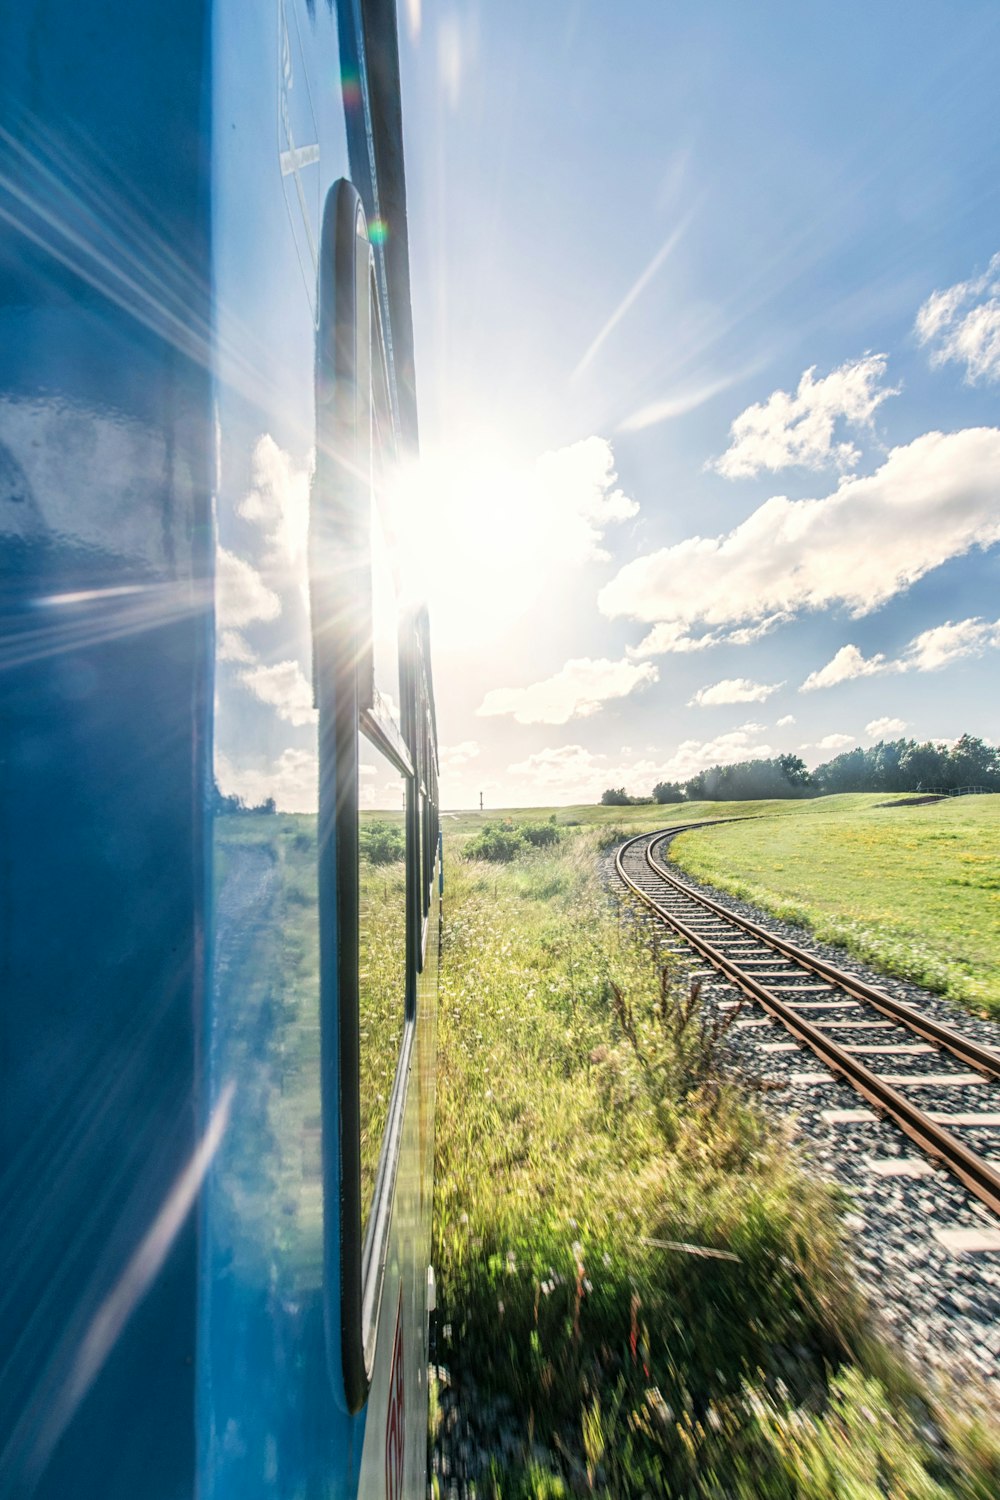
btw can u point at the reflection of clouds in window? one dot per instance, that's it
(379, 785)
(285, 688)
(385, 616)
(279, 502)
(232, 647)
(264, 704)
(291, 780)
(241, 595)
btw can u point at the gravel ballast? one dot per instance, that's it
(940, 1303)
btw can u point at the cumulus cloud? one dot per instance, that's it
(571, 773)
(931, 500)
(962, 325)
(878, 729)
(292, 780)
(928, 652)
(943, 644)
(733, 690)
(568, 772)
(671, 636)
(454, 756)
(487, 538)
(578, 487)
(579, 689)
(847, 663)
(285, 688)
(832, 742)
(692, 756)
(785, 719)
(786, 430)
(241, 595)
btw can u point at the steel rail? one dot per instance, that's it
(967, 1165)
(966, 1051)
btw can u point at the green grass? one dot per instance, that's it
(915, 891)
(585, 1137)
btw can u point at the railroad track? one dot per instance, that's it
(861, 1033)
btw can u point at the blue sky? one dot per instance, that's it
(634, 231)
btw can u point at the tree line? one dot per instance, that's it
(890, 766)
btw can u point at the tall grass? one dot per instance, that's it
(639, 1291)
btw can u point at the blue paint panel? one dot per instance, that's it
(104, 493)
(162, 171)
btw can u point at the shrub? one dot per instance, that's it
(381, 843)
(541, 835)
(497, 842)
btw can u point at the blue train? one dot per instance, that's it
(218, 967)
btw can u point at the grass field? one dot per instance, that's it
(640, 1292)
(915, 891)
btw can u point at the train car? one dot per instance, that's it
(218, 973)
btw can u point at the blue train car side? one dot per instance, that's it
(217, 1026)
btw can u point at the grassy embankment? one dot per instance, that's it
(915, 891)
(586, 1141)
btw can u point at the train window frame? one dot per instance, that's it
(354, 429)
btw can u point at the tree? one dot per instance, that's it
(793, 768)
(668, 791)
(616, 797)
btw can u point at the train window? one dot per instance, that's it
(366, 880)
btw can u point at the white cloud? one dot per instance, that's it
(679, 404)
(733, 690)
(847, 663)
(241, 595)
(692, 756)
(943, 644)
(927, 652)
(799, 429)
(962, 324)
(671, 636)
(284, 687)
(832, 742)
(785, 719)
(487, 537)
(292, 780)
(878, 729)
(931, 500)
(454, 756)
(569, 773)
(279, 501)
(578, 487)
(579, 689)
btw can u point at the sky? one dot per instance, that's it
(707, 322)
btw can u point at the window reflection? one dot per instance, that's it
(381, 951)
(267, 1203)
(385, 616)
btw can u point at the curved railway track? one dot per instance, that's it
(834, 1014)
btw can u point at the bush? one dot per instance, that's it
(381, 843)
(541, 835)
(497, 842)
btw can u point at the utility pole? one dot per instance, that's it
(480, 801)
